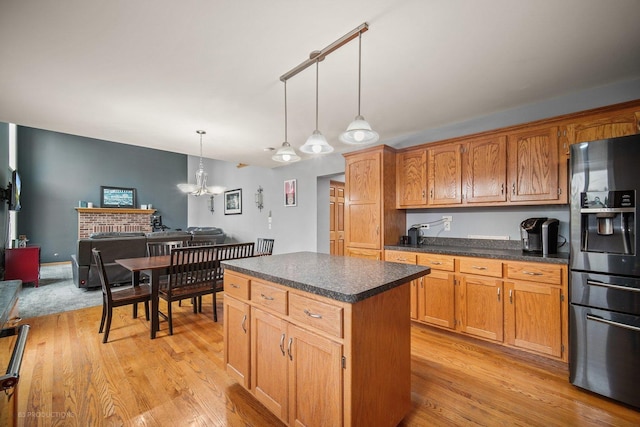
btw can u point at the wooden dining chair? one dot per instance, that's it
(264, 246)
(191, 275)
(112, 298)
(162, 248)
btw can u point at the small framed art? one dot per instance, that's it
(290, 192)
(233, 202)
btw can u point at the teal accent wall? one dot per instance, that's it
(58, 170)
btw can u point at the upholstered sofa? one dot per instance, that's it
(127, 245)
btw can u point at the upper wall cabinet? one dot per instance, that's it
(524, 165)
(411, 182)
(485, 170)
(445, 174)
(534, 167)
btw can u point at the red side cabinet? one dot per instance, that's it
(23, 264)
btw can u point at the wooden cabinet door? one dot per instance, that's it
(237, 343)
(533, 165)
(315, 379)
(336, 218)
(533, 319)
(363, 213)
(604, 126)
(480, 308)
(445, 174)
(269, 361)
(436, 296)
(411, 181)
(485, 166)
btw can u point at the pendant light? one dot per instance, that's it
(359, 131)
(200, 187)
(286, 153)
(316, 143)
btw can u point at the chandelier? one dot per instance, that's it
(200, 187)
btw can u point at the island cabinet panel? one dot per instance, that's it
(315, 379)
(269, 363)
(237, 356)
(322, 362)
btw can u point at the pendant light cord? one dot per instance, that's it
(359, 68)
(317, 72)
(285, 111)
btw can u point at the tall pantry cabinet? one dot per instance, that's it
(371, 217)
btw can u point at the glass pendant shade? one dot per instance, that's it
(286, 154)
(359, 132)
(200, 187)
(316, 144)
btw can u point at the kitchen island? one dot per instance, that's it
(321, 339)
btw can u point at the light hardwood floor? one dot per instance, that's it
(69, 377)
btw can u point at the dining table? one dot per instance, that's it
(156, 266)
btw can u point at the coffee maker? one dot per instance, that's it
(540, 235)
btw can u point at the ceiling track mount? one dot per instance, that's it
(319, 55)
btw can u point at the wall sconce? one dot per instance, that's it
(259, 198)
(211, 207)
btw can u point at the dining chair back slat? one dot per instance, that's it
(264, 246)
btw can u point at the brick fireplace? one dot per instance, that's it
(100, 220)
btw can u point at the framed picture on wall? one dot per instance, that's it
(290, 193)
(233, 202)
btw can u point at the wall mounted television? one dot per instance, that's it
(12, 193)
(117, 197)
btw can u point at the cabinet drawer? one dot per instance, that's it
(537, 272)
(437, 262)
(316, 314)
(269, 296)
(400, 256)
(481, 266)
(236, 286)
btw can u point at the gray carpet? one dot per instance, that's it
(56, 293)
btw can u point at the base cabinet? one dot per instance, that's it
(514, 303)
(315, 361)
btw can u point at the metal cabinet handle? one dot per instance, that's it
(502, 188)
(531, 273)
(268, 298)
(612, 323)
(282, 344)
(422, 282)
(233, 285)
(401, 259)
(431, 193)
(244, 323)
(498, 294)
(511, 296)
(477, 267)
(310, 314)
(424, 193)
(289, 348)
(514, 188)
(436, 263)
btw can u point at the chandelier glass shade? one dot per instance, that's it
(200, 187)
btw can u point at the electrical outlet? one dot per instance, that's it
(447, 222)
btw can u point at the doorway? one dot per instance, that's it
(336, 217)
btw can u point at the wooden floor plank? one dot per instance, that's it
(69, 377)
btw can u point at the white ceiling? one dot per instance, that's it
(152, 72)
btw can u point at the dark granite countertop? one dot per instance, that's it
(9, 290)
(341, 278)
(495, 249)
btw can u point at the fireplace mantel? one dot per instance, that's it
(117, 210)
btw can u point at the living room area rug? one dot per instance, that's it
(55, 293)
